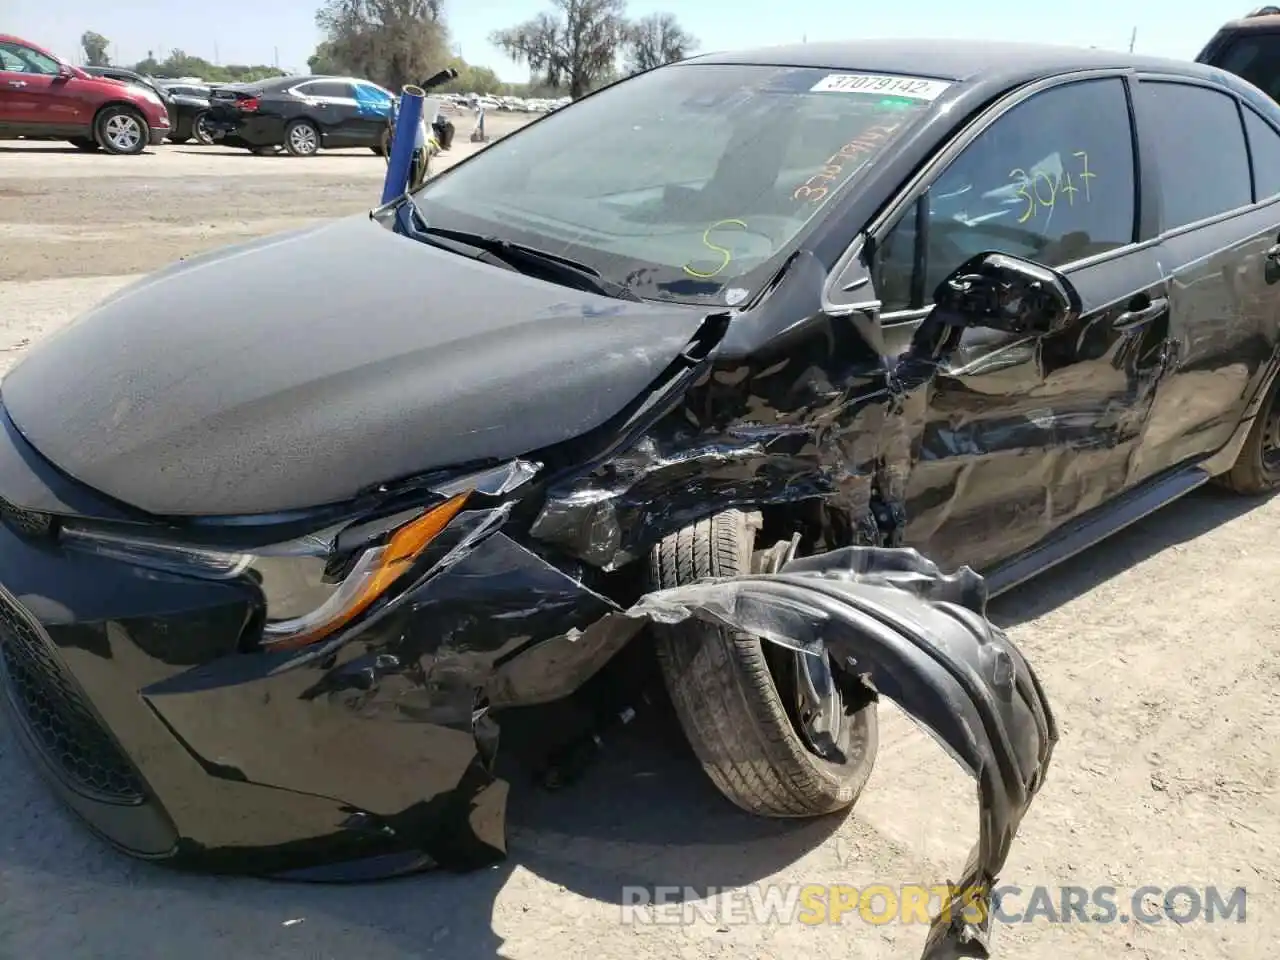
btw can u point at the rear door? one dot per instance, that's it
(1219, 217)
(1024, 433)
(332, 103)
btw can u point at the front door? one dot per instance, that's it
(373, 107)
(1022, 434)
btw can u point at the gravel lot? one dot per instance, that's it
(1159, 651)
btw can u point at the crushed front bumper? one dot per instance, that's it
(142, 698)
(374, 756)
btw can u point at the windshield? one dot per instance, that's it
(688, 183)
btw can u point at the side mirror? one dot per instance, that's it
(1003, 292)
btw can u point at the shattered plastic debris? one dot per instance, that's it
(921, 638)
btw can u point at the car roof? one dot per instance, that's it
(957, 61)
(333, 77)
(1256, 21)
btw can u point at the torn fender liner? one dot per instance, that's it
(921, 638)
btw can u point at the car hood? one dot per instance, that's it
(303, 368)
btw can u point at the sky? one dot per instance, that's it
(283, 31)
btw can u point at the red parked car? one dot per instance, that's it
(44, 98)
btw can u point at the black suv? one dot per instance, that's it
(1249, 48)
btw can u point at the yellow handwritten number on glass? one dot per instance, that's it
(1085, 175)
(725, 254)
(1053, 191)
(1017, 173)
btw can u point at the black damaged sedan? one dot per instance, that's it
(274, 566)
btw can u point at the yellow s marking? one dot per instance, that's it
(725, 254)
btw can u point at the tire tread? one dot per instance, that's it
(725, 695)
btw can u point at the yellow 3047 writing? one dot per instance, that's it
(1042, 191)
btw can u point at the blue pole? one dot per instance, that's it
(408, 115)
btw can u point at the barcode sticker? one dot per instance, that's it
(915, 88)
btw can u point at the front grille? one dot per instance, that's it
(58, 719)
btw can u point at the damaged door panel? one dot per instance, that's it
(1026, 432)
(922, 639)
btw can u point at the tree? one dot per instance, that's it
(655, 40)
(573, 45)
(392, 42)
(95, 49)
(473, 79)
(325, 60)
(181, 64)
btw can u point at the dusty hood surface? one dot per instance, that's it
(300, 369)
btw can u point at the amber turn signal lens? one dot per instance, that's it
(390, 562)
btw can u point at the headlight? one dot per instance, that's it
(311, 590)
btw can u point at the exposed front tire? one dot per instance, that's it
(121, 130)
(1257, 468)
(84, 143)
(736, 695)
(301, 138)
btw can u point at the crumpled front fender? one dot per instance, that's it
(921, 638)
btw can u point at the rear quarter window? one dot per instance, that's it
(1264, 148)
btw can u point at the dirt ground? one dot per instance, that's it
(1160, 651)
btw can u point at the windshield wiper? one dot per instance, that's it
(518, 256)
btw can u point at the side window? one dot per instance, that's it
(326, 88)
(1198, 141)
(1256, 58)
(1051, 180)
(19, 59)
(1264, 148)
(373, 101)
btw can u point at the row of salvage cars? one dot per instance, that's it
(272, 576)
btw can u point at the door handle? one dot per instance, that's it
(1271, 264)
(1132, 319)
(17, 83)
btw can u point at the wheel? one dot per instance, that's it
(1257, 468)
(301, 138)
(121, 130)
(84, 143)
(739, 699)
(199, 130)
